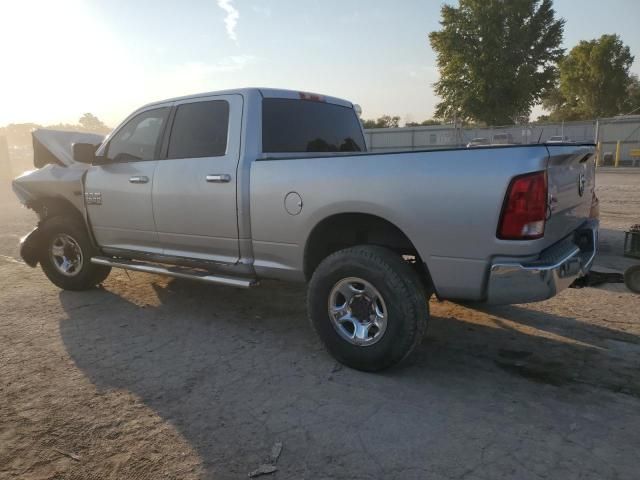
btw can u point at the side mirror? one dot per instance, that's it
(84, 152)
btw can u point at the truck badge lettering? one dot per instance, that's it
(93, 198)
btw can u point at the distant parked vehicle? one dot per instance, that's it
(478, 142)
(502, 139)
(559, 139)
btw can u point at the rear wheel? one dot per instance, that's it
(368, 307)
(66, 254)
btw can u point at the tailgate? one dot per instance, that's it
(571, 183)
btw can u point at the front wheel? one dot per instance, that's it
(368, 307)
(65, 255)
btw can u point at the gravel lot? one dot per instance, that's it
(152, 378)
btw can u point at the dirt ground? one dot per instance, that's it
(150, 378)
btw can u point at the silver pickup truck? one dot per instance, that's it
(235, 186)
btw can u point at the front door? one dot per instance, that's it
(194, 189)
(118, 193)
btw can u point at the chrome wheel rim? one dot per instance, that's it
(66, 254)
(357, 311)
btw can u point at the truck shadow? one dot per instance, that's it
(235, 371)
(548, 348)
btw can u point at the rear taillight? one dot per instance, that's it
(525, 208)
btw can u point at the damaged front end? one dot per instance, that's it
(56, 187)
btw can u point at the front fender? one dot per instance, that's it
(30, 246)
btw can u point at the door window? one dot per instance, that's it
(138, 138)
(199, 130)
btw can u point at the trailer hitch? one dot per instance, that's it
(631, 278)
(593, 279)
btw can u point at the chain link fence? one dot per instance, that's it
(618, 137)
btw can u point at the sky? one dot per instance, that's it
(62, 58)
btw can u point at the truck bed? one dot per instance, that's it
(448, 202)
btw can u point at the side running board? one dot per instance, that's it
(176, 272)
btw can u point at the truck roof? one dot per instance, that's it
(264, 92)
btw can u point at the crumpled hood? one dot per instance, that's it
(56, 147)
(58, 175)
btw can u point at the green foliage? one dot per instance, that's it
(424, 123)
(386, 121)
(594, 81)
(91, 123)
(632, 104)
(496, 58)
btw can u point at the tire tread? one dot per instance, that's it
(91, 275)
(399, 276)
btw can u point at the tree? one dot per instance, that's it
(423, 123)
(496, 58)
(386, 121)
(594, 81)
(632, 104)
(91, 123)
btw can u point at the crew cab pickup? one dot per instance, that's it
(236, 186)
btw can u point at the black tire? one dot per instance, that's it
(403, 294)
(87, 275)
(632, 278)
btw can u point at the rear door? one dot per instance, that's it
(194, 188)
(118, 193)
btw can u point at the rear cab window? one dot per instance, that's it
(297, 126)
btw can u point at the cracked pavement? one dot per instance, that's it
(152, 378)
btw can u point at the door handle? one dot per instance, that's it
(138, 179)
(219, 178)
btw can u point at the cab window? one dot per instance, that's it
(138, 139)
(294, 126)
(200, 129)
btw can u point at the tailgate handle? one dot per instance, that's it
(218, 178)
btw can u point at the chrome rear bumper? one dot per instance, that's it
(556, 268)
